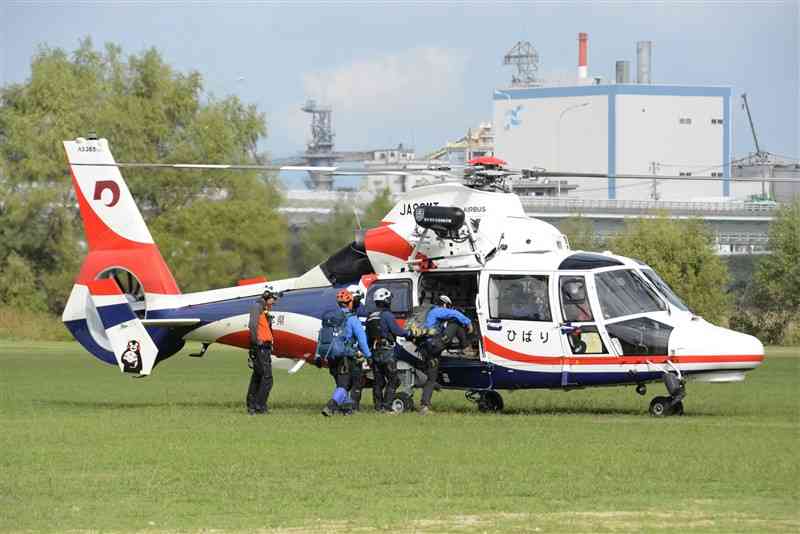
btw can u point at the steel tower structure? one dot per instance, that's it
(524, 56)
(319, 150)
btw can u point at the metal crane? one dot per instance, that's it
(760, 156)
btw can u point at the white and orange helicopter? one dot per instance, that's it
(546, 316)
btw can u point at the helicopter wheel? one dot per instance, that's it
(403, 402)
(641, 389)
(490, 401)
(660, 407)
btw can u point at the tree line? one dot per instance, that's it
(215, 227)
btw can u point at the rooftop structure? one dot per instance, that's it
(622, 128)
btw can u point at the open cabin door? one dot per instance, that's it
(519, 330)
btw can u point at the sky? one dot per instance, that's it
(422, 73)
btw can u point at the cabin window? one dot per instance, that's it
(574, 302)
(586, 340)
(625, 293)
(519, 297)
(401, 296)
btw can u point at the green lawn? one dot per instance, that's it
(83, 447)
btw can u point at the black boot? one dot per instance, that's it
(329, 408)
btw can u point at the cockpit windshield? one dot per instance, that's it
(623, 292)
(667, 291)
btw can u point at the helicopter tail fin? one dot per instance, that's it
(133, 348)
(119, 242)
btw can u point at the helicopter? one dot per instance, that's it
(546, 316)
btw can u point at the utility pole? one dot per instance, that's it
(654, 168)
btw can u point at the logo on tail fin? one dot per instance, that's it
(112, 186)
(132, 358)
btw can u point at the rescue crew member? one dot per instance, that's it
(346, 371)
(360, 311)
(456, 323)
(382, 333)
(261, 340)
(358, 302)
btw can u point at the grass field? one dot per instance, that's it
(83, 447)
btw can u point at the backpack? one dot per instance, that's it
(331, 343)
(373, 328)
(417, 319)
(376, 337)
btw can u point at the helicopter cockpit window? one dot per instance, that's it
(401, 296)
(625, 293)
(573, 299)
(519, 297)
(667, 291)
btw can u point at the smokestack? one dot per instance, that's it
(583, 66)
(623, 72)
(643, 58)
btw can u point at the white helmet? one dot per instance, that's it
(444, 299)
(355, 291)
(383, 295)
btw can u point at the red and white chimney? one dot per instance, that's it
(583, 46)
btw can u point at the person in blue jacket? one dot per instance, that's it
(346, 371)
(359, 310)
(449, 324)
(382, 333)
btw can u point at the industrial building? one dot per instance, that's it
(620, 128)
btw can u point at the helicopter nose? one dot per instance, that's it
(727, 347)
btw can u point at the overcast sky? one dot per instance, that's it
(421, 73)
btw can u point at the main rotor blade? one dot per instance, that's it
(432, 170)
(545, 174)
(211, 166)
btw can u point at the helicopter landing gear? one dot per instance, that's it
(672, 405)
(641, 389)
(487, 400)
(402, 403)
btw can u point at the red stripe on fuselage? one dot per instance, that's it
(510, 354)
(287, 344)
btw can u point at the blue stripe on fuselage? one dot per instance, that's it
(309, 302)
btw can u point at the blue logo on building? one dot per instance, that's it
(513, 117)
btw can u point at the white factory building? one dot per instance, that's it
(621, 129)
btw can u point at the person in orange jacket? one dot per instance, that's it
(261, 340)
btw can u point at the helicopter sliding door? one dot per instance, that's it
(519, 331)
